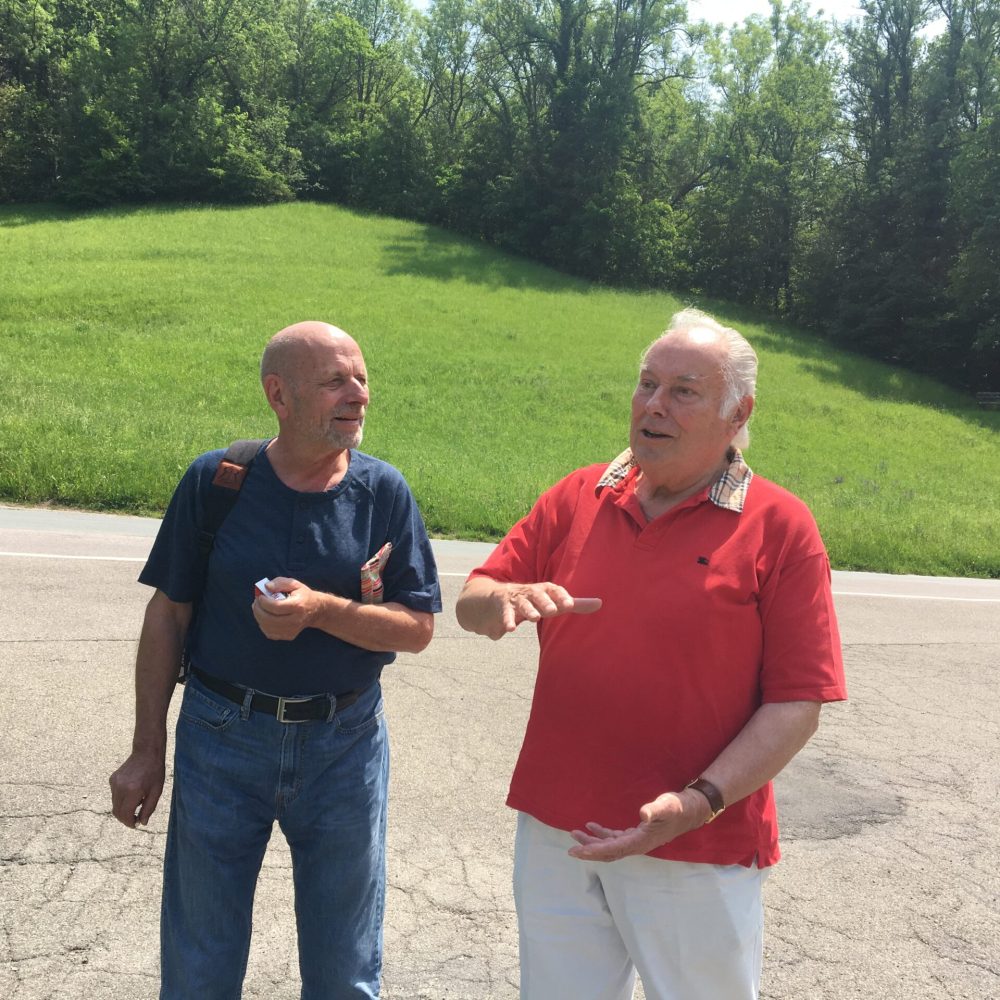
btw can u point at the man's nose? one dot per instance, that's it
(657, 403)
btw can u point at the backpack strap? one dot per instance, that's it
(223, 492)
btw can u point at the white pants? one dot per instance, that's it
(693, 931)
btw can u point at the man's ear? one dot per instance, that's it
(276, 391)
(742, 412)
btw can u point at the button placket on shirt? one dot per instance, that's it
(300, 534)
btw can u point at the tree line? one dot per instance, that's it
(846, 177)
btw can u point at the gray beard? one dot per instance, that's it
(342, 440)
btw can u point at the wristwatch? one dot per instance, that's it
(711, 793)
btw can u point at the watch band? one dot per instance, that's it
(714, 796)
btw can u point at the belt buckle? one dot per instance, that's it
(282, 702)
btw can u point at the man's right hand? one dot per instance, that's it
(493, 609)
(136, 787)
(137, 784)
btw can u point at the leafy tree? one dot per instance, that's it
(563, 81)
(974, 323)
(848, 180)
(873, 293)
(771, 158)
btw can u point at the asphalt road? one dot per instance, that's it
(889, 886)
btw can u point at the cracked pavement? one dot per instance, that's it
(888, 887)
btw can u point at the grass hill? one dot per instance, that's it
(130, 341)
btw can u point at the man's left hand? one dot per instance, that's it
(660, 821)
(284, 620)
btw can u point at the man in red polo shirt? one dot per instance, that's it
(687, 641)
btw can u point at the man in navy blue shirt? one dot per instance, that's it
(281, 718)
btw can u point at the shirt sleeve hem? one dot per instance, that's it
(417, 602)
(823, 695)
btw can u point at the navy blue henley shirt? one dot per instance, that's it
(321, 539)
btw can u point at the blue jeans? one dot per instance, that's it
(235, 773)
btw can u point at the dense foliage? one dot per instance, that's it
(846, 177)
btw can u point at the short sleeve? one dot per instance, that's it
(802, 659)
(410, 576)
(173, 564)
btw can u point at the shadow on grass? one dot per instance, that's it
(12, 216)
(442, 256)
(836, 366)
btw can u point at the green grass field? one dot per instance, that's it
(130, 341)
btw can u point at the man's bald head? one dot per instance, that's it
(292, 350)
(315, 380)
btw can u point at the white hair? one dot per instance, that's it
(739, 369)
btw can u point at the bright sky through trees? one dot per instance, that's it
(733, 11)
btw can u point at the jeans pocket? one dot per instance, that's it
(366, 712)
(201, 708)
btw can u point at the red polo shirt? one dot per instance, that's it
(709, 610)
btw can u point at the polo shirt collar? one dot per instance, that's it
(729, 491)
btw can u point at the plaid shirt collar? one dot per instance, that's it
(729, 491)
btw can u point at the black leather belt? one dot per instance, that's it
(283, 709)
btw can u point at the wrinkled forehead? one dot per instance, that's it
(339, 354)
(691, 355)
(314, 355)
